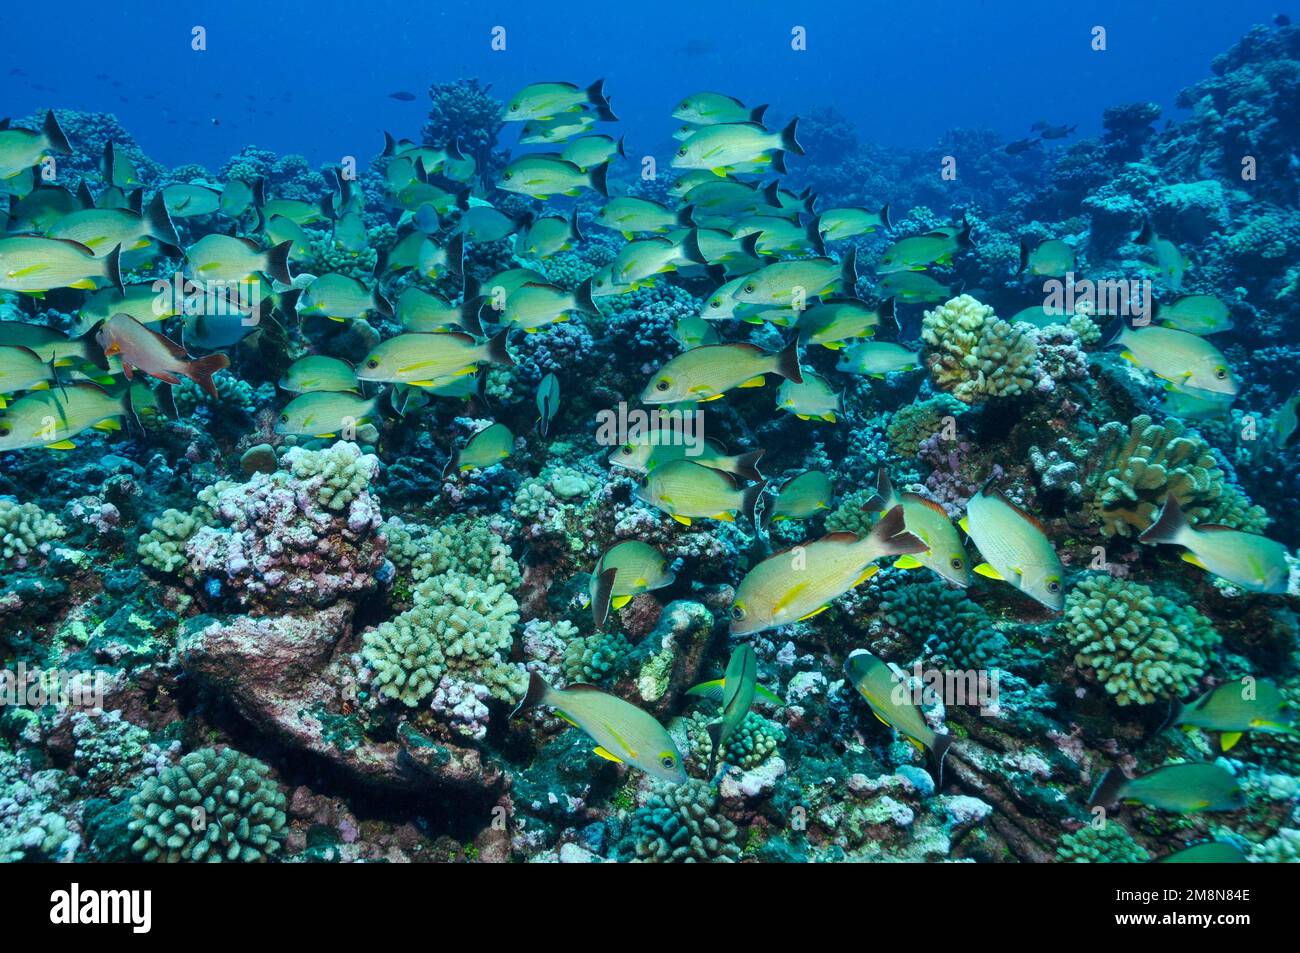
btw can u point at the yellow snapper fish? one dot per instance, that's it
(535, 305)
(486, 448)
(766, 235)
(217, 257)
(237, 197)
(913, 287)
(588, 151)
(658, 447)
(341, 298)
(1050, 258)
(832, 322)
(118, 169)
(811, 398)
(1236, 707)
(801, 582)
(319, 372)
(82, 355)
(52, 418)
(1186, 361)
(542, 175)
(889, 699)
(548, 100)
(425, 359)
(1195, 405)
(35, 265)
(483, 223)
(709, 109)
(1209, 852)
(1255, 563)
(736, 692)
(631, 215)
(877, 358)
(1195, 314)
(724, 145)
(706, 373)
(1178, 788)
(801, 497)
(102, 230)
(298, 211)
(538, 132)
(720, 247)
(1015, 547)
(20, 149)
(21, 369)
(726, 197)
(693, 331)
(647, 257)
(1170, 262)
(279, 229)
(549, 236)
(687, 490)
(929, 522)
(784, 283)
(623, 572)
(142, 302)
(325, 414)
(837, 224)
(1284, 424)
(424, 313)
(1040, 316)
(920, 251)
(189, 200)
(623, 733)
(43, 206)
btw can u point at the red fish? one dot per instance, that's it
(148, 351)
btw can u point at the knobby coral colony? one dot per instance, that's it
(359, 529)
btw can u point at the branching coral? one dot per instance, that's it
(212, 806)
(459, 625)
(1142, 647)
(1108, 844)
(753, 742)
(595, 658)
(678, 824)
(955, 629)
(23, 528)
(975, 355)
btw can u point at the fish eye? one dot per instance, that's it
(681, 151)
(751, 287)
(957, 562)
(372, 363)
(1220, 372)
(514, 107)
(1053, 586)
(506, 175)
(668, 761)
(627, 451)
(4, 431)
(284, 418)
(662, 384)
(715, 303)
(738, 612)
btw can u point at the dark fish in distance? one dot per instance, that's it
(402, 96)
(1020, 145)
(1058, 132)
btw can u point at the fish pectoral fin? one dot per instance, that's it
(964, 526)
(110, 424)
(619, 602)
(725, 517)
(1190, 557)
(606, 755)
(758, 381)
(984, 569)
(866, 574)
(563, 717)
(1228, 740)
(684, 520)
(1128, 356)
(919, 747)
(705, 400)
(814, 612)
(907, 561)
(61, 445)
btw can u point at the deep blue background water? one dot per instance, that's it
(314, 78)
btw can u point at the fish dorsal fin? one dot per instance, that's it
(1031, 520)
(843, 536)
(922, 501)
(581, 687)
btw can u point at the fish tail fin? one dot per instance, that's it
(884, 216)
(787, 363)
(1026, 249)
(884, 492)
(1169, 526)
(1106, 793)
(597, 97)
(778, 163)
(599, 176)
(575, 227)
(749, 244)
(749, 499)
(849, 271)
(942, 744)
(277, 262)
(497, 353)
(888, 312)
(259, 192)
(1114, 332)
(620, 148)
(537, 692)
(813, 232)
(159, 222)
(54, 134)
(690, 248)
(202, 370)
(788, 141)
(963, 237)
(113, 269)
(585, 300)
(1147, 235)
(715, 738)
(604, 595)
(889, 537)
(747, 465)
(456, 254)
(756, 114)
(471, 319)
(1176, 709)
(390, 144)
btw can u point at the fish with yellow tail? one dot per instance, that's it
(1255, 563)
(50, 419)
(20, 149)
(799, 498)
(1236, 707)
(1170, 262)
(486, 448)
(1015, 547)
(800, 582)
(687, 491)
(623, 733)
(423, 360)
(709, 371)
(36, 265)
(147, 351)
(1185, 360)
(626, 570)
(926, 519)
(1178, 788)
(891, 702)
(736, 691)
